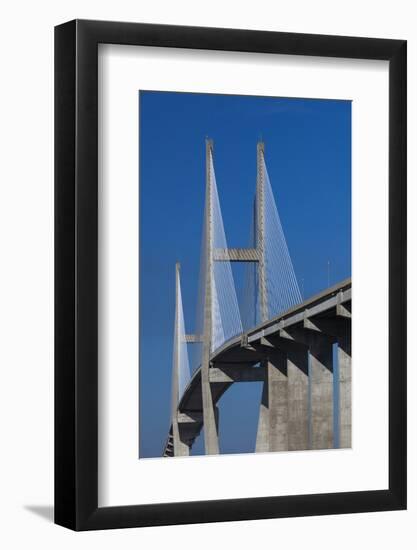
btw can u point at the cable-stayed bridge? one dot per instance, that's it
(300, 350)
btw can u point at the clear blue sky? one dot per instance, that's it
(308, 156)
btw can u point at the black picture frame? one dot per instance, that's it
(76, 272)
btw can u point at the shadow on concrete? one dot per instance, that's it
(45, 512)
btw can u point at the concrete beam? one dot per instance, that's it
(190, 417)
(285, 335)
(235, 255)
(194, 338)
(332, 327)
(242, 355)
(236, 373)
(295, 315)
(343, 311)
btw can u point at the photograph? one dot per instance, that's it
(244, 274)
(189, 192)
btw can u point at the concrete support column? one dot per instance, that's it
(181, 447)
(211, 438)
(298, 398)
(210, 416)
(262, 435)
(321, 392)
(273, 412)
(345, 391)
(260, 231)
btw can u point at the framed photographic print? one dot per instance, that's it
(230, 249)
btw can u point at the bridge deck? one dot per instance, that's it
(246, 350)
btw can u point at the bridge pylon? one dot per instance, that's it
(210, 411)
(212, 255)
(260, 230)
(179, 436)
(272, 433)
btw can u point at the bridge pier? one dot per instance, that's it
(339, 330)
(321, 391)
(320, 376)
(210, 415)
(298, 398)
(295, 384)
(272, 432)
(345, 391)
(181, 447)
